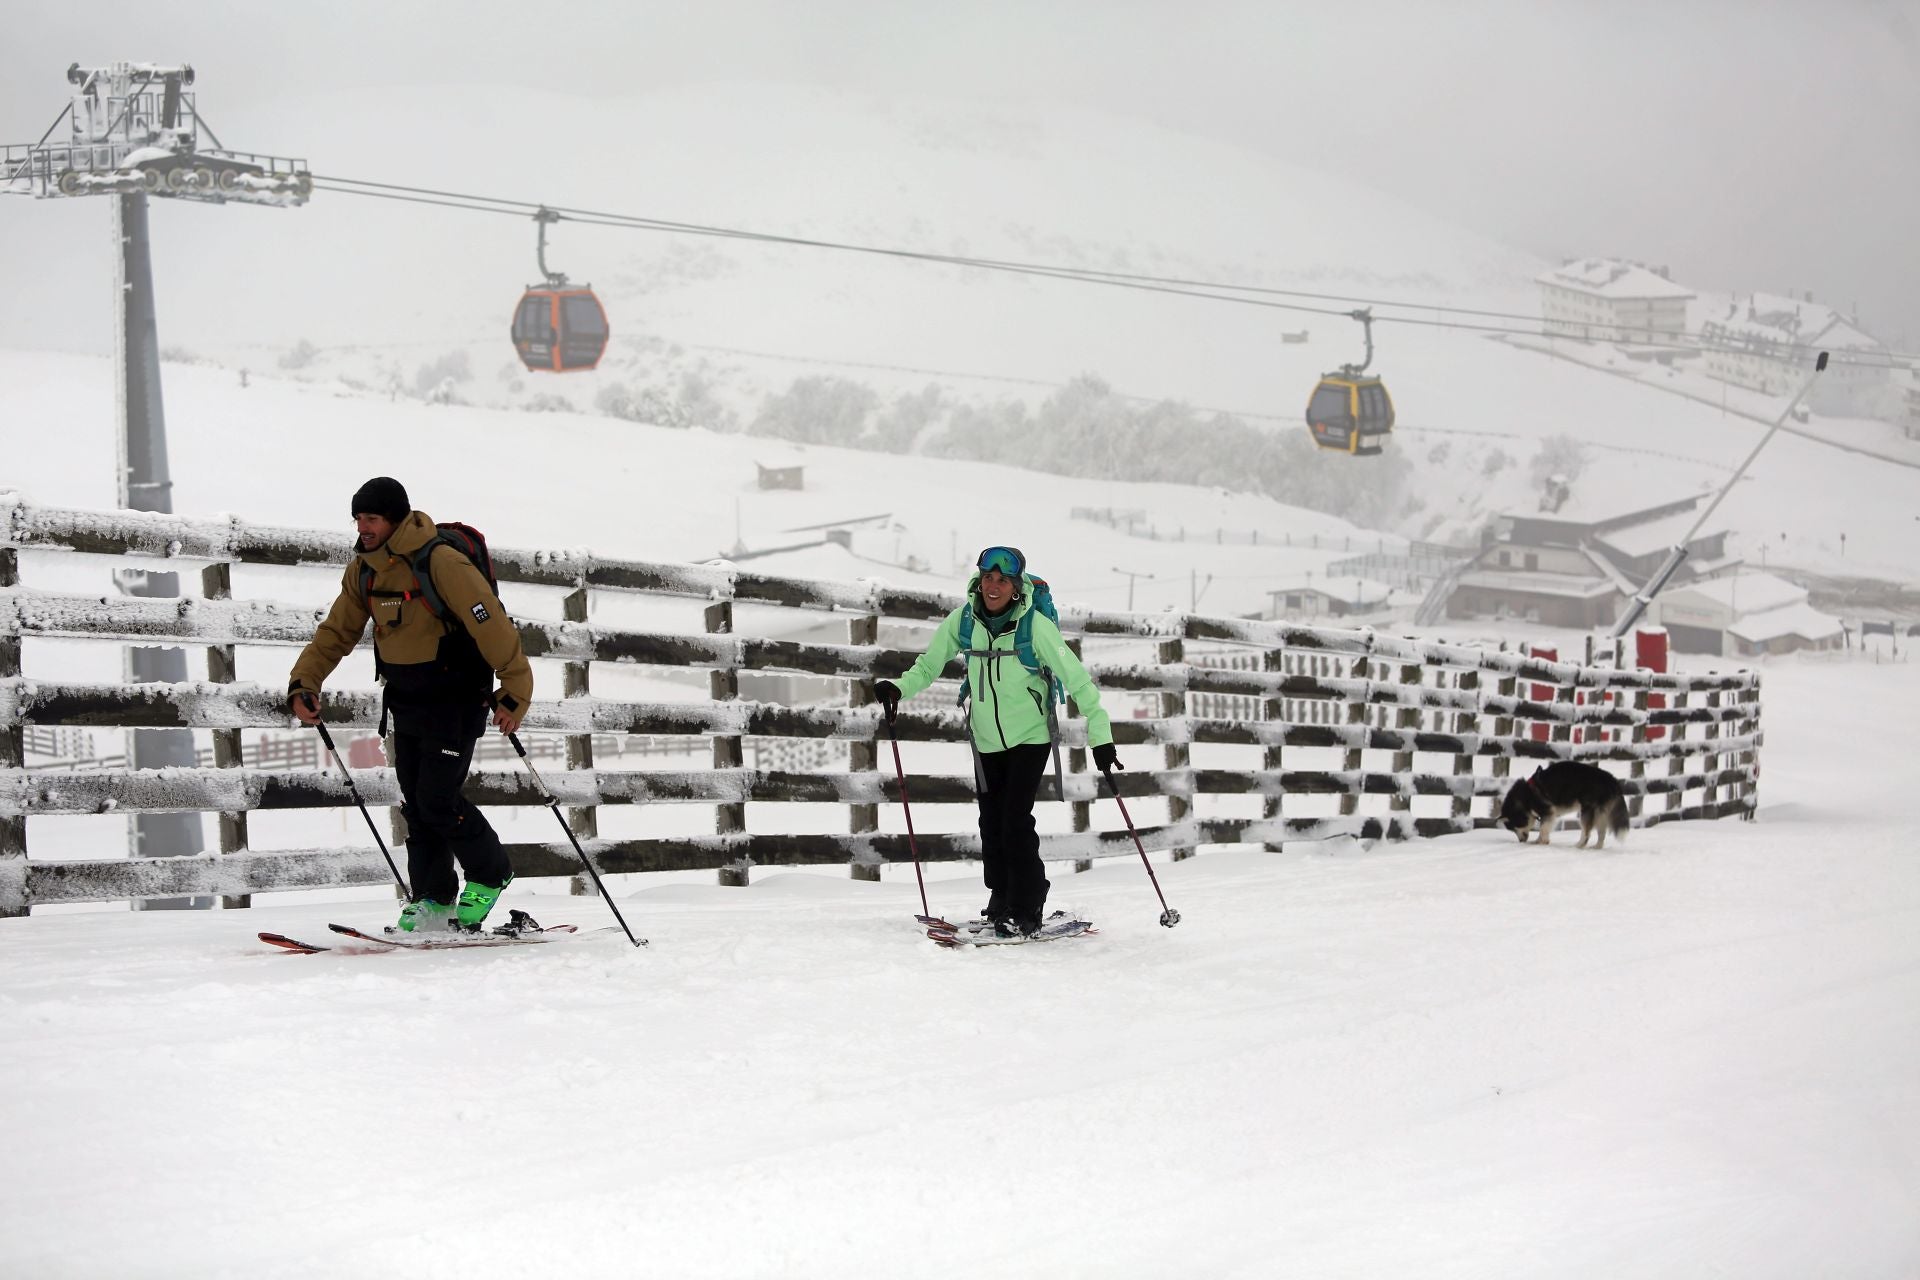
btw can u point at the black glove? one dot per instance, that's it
(1105, 760)
(887, 693)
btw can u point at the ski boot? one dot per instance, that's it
(475, 901)
(1019, 924)
(423, 915)
(518, 922)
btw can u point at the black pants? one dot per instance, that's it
(442, 825)
(1009, 846)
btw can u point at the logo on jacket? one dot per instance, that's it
(480, 613)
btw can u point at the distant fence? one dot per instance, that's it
(1313, 702)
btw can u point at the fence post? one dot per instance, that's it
(1273, 709)
(216, 583)
(1507, 685)
(577, 682)
(1358, 714)
(13, 746)
(1748, 726)
(1682, 700)
(1710, 797)
(1465, 723)
(1178, 754)
(1411, 719)
(723, 685)
(1077, 765)
(863, 755)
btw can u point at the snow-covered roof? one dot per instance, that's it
(1769, 317)
(1537, 583)
(1801, 620)
(1636, 540)
(1353, 591)
(1611, 278)
(1600, 503)
(1754, 592)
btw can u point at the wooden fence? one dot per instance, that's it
(1359, 724)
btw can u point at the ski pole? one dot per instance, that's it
(1168, 916)
(553, 803)
(901, 774)
(355, 793)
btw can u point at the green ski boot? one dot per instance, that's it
(424, 914)
(475, 901)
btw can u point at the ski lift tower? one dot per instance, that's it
(130, 132)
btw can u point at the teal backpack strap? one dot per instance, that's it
(966, 652)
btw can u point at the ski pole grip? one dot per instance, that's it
(514, 738)
(325, 737)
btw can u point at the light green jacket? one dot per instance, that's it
(1009, 703)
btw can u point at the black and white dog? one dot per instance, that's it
(1559, 789)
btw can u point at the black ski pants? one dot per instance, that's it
(442, 825)
(1009, 846)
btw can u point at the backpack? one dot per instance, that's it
(465, 539)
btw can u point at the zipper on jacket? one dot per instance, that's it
(993, 683)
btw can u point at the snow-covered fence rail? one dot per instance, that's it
(1305, 733)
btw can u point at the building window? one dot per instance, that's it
(1533, 561)
(1505, 559)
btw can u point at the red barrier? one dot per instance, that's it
(1542, 692)
(1650, 654)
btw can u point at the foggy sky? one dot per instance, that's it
(1760, 145)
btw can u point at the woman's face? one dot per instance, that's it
(996, 589)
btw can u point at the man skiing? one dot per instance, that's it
(1004, 620)
(437, 671)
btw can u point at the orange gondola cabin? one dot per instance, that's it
(559, 330)
(559, 327)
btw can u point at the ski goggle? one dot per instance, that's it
(1010, 561)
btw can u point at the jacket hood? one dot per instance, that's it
(407, 537)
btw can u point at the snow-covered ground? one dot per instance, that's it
(1691, 1055)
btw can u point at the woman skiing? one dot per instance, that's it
(1015, 656)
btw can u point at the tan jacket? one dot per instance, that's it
(420, 657)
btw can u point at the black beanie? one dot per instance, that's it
(382, 496)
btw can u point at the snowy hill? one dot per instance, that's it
(399, 297)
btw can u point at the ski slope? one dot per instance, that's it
(1693, 1054)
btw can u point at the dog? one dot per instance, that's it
(1559, 789)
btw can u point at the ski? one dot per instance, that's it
(452, 941)
(519, 928)
(976, 925)
(1058, 926)
(293, 945)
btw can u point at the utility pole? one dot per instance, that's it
(133, 131)
(1130, 576)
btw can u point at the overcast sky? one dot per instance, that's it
(1770, 144)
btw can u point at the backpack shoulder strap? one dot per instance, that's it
(1023, 642)
(422, 563)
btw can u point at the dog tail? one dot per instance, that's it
(1618, 819)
